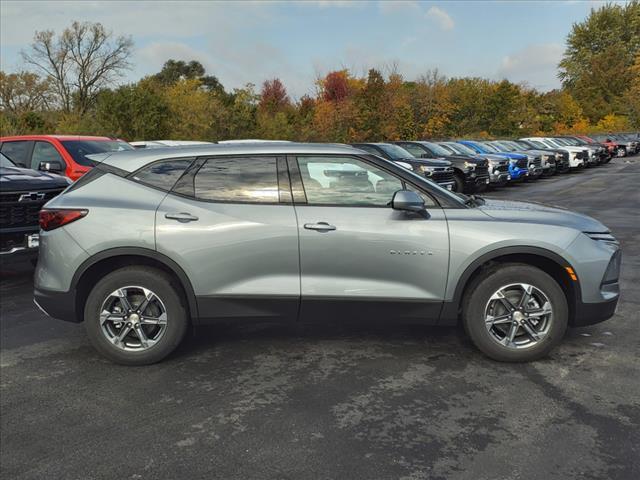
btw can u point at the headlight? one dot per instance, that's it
(612, 273)
(469, 165)
(425, 170)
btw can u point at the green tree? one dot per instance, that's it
(175, 70)
(134, 112)
(596, 66)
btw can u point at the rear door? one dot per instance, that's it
(358, 257)
(230, 224)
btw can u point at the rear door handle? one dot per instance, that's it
(320, 226)
(183, 217)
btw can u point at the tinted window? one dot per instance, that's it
(346, 181)
(79, 149)
(414, 150)
(162, 174)
(368, 148)
(5, 162)
(45, 152)
(250, 180)
(17, 152)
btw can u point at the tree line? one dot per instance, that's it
(71, 87)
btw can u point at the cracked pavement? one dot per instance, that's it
(320, 402)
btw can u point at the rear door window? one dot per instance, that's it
(236, 180)
(18, 152)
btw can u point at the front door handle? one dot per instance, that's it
(320, 226)
(183, 217)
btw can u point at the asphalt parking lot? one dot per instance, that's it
(266, 402)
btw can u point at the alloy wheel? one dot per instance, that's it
(518, 316)
(133, 318)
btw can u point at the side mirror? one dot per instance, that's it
(55, 167)
(407, 201)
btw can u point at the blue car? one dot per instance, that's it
(518, 163)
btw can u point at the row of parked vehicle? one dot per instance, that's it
(473, 165)
(37, 168)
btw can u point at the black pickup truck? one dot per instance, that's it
(23, 192)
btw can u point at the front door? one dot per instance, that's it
(358, 256)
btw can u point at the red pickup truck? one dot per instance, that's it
(62, 154)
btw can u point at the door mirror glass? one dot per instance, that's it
(53, 167)
(408, 201)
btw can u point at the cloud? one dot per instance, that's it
(441, 17)
(535, 64)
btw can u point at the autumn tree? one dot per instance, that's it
(596, 66)
(633, 93)
(24, 92)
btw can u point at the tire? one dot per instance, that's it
(161, 338)
(478, 300)
(459, 186)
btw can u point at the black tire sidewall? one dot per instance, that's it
(459, 183)
(159, 283)
(487, 285)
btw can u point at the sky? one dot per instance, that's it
(298, 41)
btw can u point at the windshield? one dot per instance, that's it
(562, 141)
(490, 148)
(5, 162)
(459, 148)
(79, 149)
(538, 144)
(394, 151)
(551, 143)
(501, 147)
(437, 149)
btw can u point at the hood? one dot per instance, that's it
(492, 157)
(16, 179)
(432, 162)
(535, 151)
(533, 212)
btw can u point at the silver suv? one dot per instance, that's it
(151, 241)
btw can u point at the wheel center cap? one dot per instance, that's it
(518, 316)
(134, 318)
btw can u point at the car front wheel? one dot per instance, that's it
(515, 313)
(135, 316)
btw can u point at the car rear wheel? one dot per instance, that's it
(135, 316)
(515, 313)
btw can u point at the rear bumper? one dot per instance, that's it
(60, 305)
(591, 313)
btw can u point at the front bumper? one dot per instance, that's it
(535, 171)
(499, 178)
(591, 313)
(448, 185)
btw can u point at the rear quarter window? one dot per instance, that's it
(163, 174)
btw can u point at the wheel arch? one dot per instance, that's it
(546, 260)
(101, 263)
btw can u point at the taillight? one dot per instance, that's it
(52, 219)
